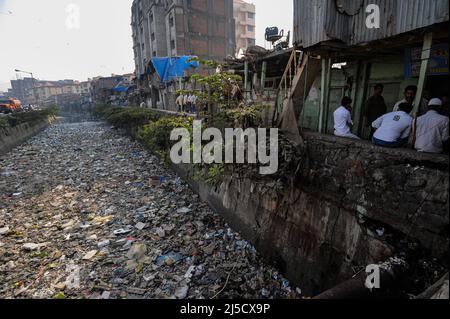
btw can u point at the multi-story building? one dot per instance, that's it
(44, 92)
(85, 87)
(22, 89)
(103, 88)
(182, 27)
(245, 24)
(172, 28)
(74, 88)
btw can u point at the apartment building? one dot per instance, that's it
(245, 24)
(171, 28)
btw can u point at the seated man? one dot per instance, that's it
(409, 97)
(393, 129)
(432, 129)
(343, 119)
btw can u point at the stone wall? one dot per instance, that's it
(322, 228)
(11, 137)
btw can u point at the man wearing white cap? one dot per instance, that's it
(432, 129)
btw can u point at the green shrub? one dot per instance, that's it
(132, 117)
(156, 135)
(18, 118)
(103, 111)
(125, 117)
(3, 122)
(244, 116)
(211, 174)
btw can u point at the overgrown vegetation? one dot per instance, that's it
(31, 117)
(126, 118)
(156, 135)
(220, 93)
(211, 174)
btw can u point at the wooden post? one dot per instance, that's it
(263, 77)
(426, 53)
(245, 79)
(328, 86)
(255, 80)
(322, 95)
(361, 87)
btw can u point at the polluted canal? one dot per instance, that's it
(88, 213)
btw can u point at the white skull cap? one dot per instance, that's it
(437, 102)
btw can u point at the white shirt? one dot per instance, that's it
(393, 126)
(432, 130)
(342, 119)
(421, 108)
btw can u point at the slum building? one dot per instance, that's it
(351, 203)
(363, 43)
(203, 28)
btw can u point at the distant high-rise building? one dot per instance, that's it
(21, 89)
(244, 16)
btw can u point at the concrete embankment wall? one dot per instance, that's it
(323, 228)
(11, 137)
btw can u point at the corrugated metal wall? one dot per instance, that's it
(316, 21)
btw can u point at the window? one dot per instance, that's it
(251, 28)
(251, 42)
(151, 17)
(251, 15)
(171, 22)
(153, 36)
(172, 44)
(154, 53)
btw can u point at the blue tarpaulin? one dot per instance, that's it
(124, 88)
(171, 68)
(121, 88)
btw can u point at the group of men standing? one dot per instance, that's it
(427, 133)
(187, 103)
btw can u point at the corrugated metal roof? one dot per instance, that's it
(317, 21)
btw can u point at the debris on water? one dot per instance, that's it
(100, 231)
(169, 259)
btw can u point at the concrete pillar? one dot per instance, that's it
(263, 76)
(324, 94)
(426, 53)
(245, 79)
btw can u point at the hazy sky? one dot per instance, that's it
(35, 36)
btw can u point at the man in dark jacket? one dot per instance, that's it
(375, 107)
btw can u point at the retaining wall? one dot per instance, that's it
(323, 227)
(11, 137)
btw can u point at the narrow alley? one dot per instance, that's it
(88, 213)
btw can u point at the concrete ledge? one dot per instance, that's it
(11, 137)
(406, 153)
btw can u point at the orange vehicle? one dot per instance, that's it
(9, 105)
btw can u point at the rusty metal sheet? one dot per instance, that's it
(318, 21)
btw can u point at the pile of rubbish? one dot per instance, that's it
(86, 213)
